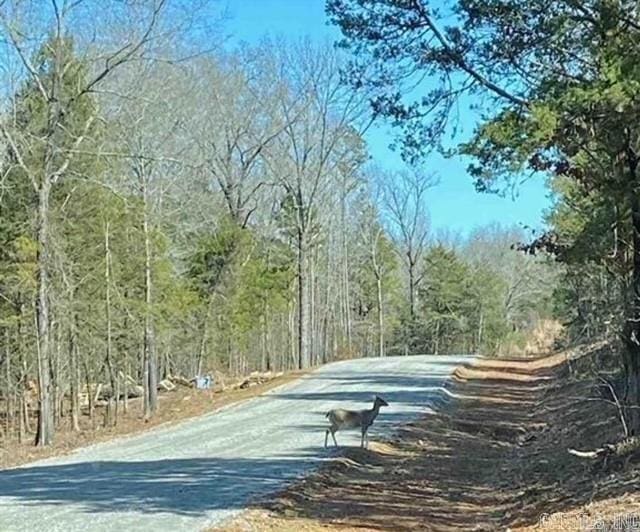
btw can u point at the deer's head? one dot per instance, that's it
(379, 401)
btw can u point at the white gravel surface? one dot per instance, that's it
(199, 472)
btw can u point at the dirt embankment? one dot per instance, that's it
(494, 458)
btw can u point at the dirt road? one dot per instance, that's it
(197, 473)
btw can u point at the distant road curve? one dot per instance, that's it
(202, 471)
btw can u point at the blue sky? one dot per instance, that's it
(454, 203)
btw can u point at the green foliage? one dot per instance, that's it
(264, 284)
(460, 305)
(558, 100)
(215, 252)
(34, 129)
(591, 233)
(32, 134)
(245, 277)
(18, 281)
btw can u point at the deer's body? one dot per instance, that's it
(353, 419)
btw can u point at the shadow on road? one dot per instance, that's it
(410, 390)
(412, 394)
(184, 486)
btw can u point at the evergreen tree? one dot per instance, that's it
(52, 118)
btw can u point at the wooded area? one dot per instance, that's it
(169, 207)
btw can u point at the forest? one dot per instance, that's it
(173, 207)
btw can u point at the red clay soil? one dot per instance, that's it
(493, 458)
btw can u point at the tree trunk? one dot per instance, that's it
(46, 426)
(54, 364)
(303, 318)
(118, 395)
(380, 317)
(412, 289)
(109, 340)
(345, 273)
(266, 352)
(22, 424)
(151, 364)
(20, 392)
(632, 326)
(327, 313)
(480, 332)
(74, 369)
(346, 307)
(87, 380)
(44, 435)
(125, 379)
(8, 396)
(312, 311)
(292, 337)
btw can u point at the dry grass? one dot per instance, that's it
(540, 341)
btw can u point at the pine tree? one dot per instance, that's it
(52, 120)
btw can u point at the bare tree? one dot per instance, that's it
(526, 278)
(372, 236)
(319, 117)
(234, 130)
(405, 210)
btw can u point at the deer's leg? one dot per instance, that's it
(333, 435)
(364, 433)
(326, 437)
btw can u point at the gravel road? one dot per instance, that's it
(197, 473)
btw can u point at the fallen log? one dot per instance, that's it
(586, 454)
(166, 385)
(619, 453)
(256, 378)
(105, 392)
(183, 381)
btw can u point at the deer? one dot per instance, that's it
(353, 419)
